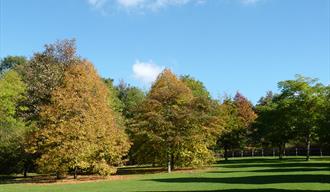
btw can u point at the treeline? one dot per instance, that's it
(58, 116)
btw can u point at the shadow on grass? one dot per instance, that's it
(264, 179)
(246, 190)
(146, 170)
(280, 170)
(269, 160)
(139, 170)
(291, 164)
(32, 179)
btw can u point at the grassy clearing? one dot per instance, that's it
(236, 175)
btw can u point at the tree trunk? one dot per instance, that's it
(172, 162)
(169, 164)
(58, 175)
(226, 153)
(25, 172)
(281, 151)
(308, 143)
(75, 173)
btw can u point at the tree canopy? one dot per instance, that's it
(80, 132)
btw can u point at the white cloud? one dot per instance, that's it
(146, 72)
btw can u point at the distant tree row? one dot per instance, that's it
(57, 116)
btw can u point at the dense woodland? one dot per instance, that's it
(59, 117)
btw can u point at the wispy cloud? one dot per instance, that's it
(152, 5)
(97, 3)
(146, 72)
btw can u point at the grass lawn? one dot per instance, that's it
(236, 175)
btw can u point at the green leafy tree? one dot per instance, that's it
(305, 95)
(80, 131)
(275, 122)
(11, 62)
(323, 131)
(114, 100)
(12, 128)
(131, 99)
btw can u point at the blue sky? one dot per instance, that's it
(230, 45)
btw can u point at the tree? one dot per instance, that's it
(197, 87)
(323, 131)
(238, 116)
(166, 124)
(79, 129)
(131, 99)
(12, 128)
(275, 122)
(205, 116)
(44, 72)
(305, 95)
(115, 103)
(231, 136)
(11, 62)
(245, 110)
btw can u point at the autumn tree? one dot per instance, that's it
(167, 126)
(79, 130)
(232, 135)
(44, 72)
(246, 117)
(206, 116)
(237, 115)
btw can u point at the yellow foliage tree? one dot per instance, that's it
(79, 131)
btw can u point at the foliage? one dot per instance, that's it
(44, 72)
(295, 113)
(79, 129)
(238, 116)
(197, 87)
(11, 62)
(205, 115)
(167, 125)
(274, 124)
(114, 102)
(323, 130)
(12, 128)
(304, 97)
(131, 99)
